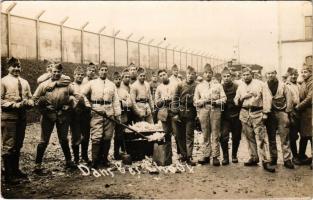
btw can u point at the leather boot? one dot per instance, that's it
(106, 149)
(95, 154)
(8, 170)
(84, 149)
(216, 161)
(67, 154)
(117, 145)
(75, 149)
(225, 160)
(16, 170)
(41, 148)
(268, 167)
(235, 147)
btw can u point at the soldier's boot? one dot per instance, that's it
(117, 145)
(204, 160)
(75, 149)
(225, 160)
(95, 155)
(235, 147)
(216, 161)
(69, 164)
(105, 151)
(288, 164)
(274, 161)
(8, 171)
(190, 162)
(84, 151)
(41, 148)
(16, 170)
(302, 157)
(268, 167)
(293, 148)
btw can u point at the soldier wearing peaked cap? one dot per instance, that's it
(254, 98)
(132, 72)
(15, 100)
(304, 107)
(230, 119)
(278, 118)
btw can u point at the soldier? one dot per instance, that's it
(91, 72)
(104, 102)
(141, 98)
(125, 102)
(184, 114)
(15, 99)
(209, 97)
(55, 100)
(278, 121)
(153, 86)
(230, 119)
(174, 78)
(255, 99)
(305, 110)
(163, 100)
(132, 72)
(125, 80)
(80, 122)
(46, 76)
(294, 119)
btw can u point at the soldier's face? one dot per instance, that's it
(154, 78)
(78, 77)
(294, 77)
(190, 77)
(15, 70)
(247, 77)
(175, 72)
(117, 81)
(163, 77)
(142, 77)
(227, 78)
(207, 75)
(133, 72)
(306, 74)
(103, 72)
(56, 73)
(271, 76)
(91, 72)
(126, 79)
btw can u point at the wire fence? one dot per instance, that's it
(32, 38)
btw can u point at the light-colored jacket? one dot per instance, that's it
(282, 100)
(294, 89)
(141, 91)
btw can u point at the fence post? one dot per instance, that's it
(158, 46)
(149, 66)
(139, 50)
(37, 34)
(99, 34)
(8, 11)
(61, 38)
(127, 56)
(114, 38)
(82, 41)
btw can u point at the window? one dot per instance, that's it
(308, 27)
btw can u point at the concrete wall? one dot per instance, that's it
(71, 45)
(4, 36)
(153, 57)
(133, 53)
(50, 42)
(162, 59)
(23, 38)
(121, 52)
(144, 56)
(106, 50)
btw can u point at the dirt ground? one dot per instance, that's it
(232, 181)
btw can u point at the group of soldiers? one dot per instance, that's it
(93, 107)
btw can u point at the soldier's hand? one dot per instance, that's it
(17, 105)
(176, 118)
(248, 95)
(264, 117)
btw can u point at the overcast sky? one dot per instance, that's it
(212, 27)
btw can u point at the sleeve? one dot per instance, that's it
(307, 101)
(43, 78)
(116, 103)
(223, 96)
(4, 102)
(151, 103)
(176, 98)
(133, 95)
(39, 92)
(197, 102)
(86, 90)
(237, 96)
(28, 91)
(267, 99)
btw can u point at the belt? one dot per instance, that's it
(142, 100)
(253, 108)
(101, 102)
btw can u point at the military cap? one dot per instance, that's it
(291, 70)
(91, 65)
(58, 66)
(141, 70)
(174, 67)
(48, 62)
(246, 69)
(226, 71)
(271, 70)
(207, 68)
(103, 64)
(116, 75)
(190, 70)
(79, 69)
(13, 62)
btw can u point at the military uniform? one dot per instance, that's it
(209, 98)
(103, 97)
(184, 127)
(230, 122)
(55, 105)
(251, 116)
(14, 90)
(153, 87)
(80, 126)
(142, 101)
(278, 120)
